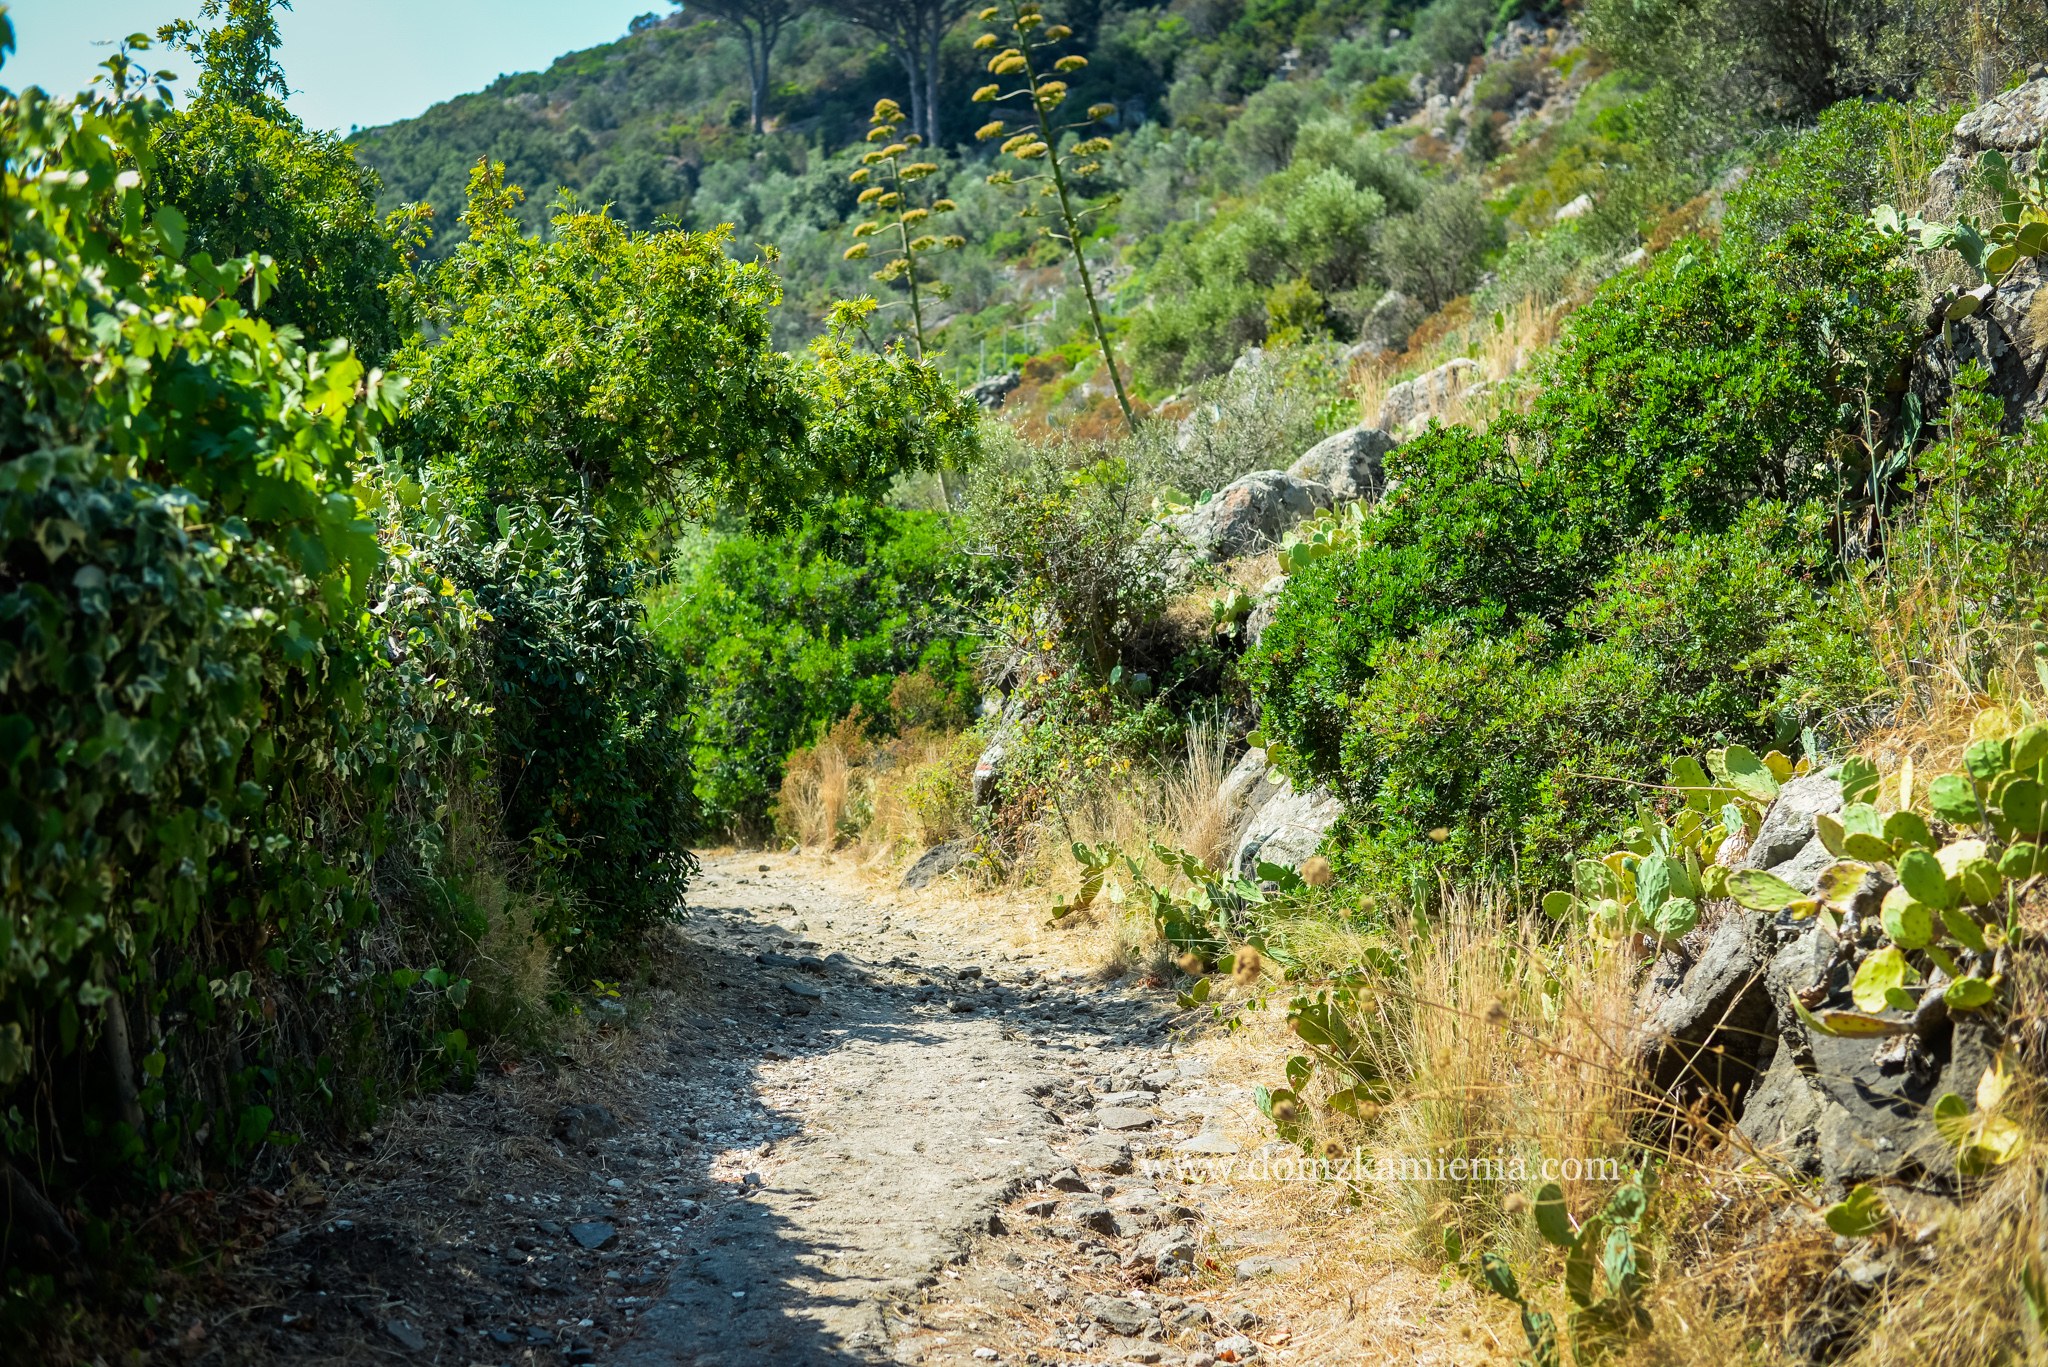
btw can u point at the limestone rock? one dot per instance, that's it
(1249, 515)
(1410, 405)
(991, 392)
(1350, 464)
(1286, 829)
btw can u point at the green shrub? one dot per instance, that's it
(1716, 377)
(249, 178)
(590, 724)
(782, 635)
(1860, 154)
(1436, 253)
(1518, 749)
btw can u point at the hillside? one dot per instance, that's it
(1336, 682)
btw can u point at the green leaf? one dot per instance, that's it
(1675, 917)
(1859, 1215)
(1909, 923)
(2030, 742)
(1905, 830)
(1749, 775)
(1862, 1025)
(1831, 833)
(1653, 883)
(1858, 777)
(1871, 849)
(1924, 879)
(1954, 800)
(2023, 860)
(1985, 759)
(2025, 804)
(1806, 1016)
(1968, 994)
(1500, 1278)
(1553, 1220)
(1880, 973)
(1761, 891)
(1559, 906)
(1963, 929)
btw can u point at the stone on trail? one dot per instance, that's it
(407, 1337)
(580, 1124)
(594, 1235)
(1124, 1118)
(936, 862)
(1115, 1313)
(1066, 1179)
(808, 991)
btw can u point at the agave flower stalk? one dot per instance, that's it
(1035, 142)
(897, 214)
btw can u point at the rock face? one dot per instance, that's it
(1351, 464)
(1788, 825)
(1250, 514)
(1705, 1020)
(1410, 405)
(2013, 123)
(2008, 335)
(1286, 829)
(1244, 790)
(1387, 323)
(1261, 615)
(991, 392)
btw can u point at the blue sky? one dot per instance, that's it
(351, 62)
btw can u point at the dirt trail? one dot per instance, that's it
(848, 1133)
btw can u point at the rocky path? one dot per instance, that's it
(844, 1138)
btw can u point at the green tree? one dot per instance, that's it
(760, 23)
(247, 176)
(634, 370)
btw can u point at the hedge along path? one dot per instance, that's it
(830, 1139)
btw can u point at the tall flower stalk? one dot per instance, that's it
(896, 217)
(1035, 142)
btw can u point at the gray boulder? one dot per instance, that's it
(1386, 324)
(1249, 515)
(990, 392)
(1788, 822)
(1351, 464)
(1286, 829)
(1704, 1016)
(1261, 616)
(936, 862)
(1410, 405)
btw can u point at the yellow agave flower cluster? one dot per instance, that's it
(884, 174)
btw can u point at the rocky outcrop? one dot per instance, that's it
(2008, 334)
(990, 392)
(1351, 464)
(2013, 123)
(1287, 828)
(1410, 405)
(1261, 616)
(1249, 515)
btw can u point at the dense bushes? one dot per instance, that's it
(781, 634)
(1560, 603)
(326, 688)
